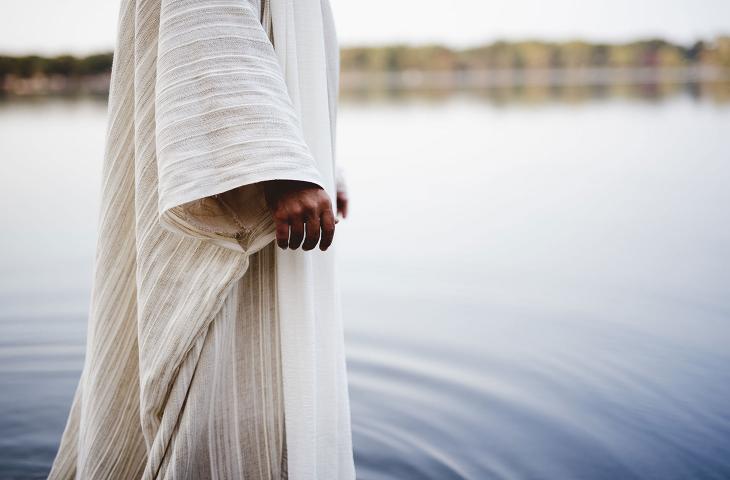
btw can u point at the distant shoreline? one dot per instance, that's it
(504, 78)
(414, 80)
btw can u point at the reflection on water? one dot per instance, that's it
(511, 93)
(533, 289)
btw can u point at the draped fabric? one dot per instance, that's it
(208, 96)
(231, 423)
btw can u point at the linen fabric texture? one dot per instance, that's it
(200, 331)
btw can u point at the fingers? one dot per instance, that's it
(282, 230)
(307, 212)
(312, 228)
(328, 229)
(296, 224)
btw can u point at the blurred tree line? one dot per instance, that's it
(64, 65)
(536, 55)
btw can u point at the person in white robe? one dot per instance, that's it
(211, 353)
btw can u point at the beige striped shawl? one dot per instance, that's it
(201, 102)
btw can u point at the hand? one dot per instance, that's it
(299, 208)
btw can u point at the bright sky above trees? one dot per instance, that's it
(84, 26)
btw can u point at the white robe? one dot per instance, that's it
(201, 102)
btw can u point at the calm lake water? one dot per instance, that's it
(533, 288)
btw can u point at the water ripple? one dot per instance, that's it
(421, 412)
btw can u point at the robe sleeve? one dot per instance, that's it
(224, 123)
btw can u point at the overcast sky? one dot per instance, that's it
(83, 26)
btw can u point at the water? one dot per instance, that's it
(532, 289)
